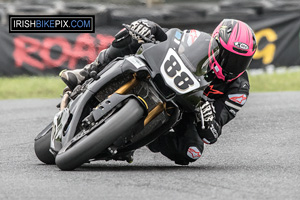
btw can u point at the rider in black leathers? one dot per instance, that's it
(227, 92)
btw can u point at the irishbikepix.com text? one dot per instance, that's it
(30, 24)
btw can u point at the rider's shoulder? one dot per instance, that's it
(241, 83)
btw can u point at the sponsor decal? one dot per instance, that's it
(212, 91)
(238, 98)
(194, 153)
(214, 131)
(178, 35)
(135, 61)
(241, 45)
(193, 35)
(177, 38)
(216, 68)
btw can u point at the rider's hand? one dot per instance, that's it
(144, 28)
(140, 28)
(211, 130)
(208, 111)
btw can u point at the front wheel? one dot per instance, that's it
(42, 146)
(91, 145)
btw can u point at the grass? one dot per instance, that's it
(30, 87)
(288, 81)
(51, 87)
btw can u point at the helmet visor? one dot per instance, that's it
(232, 64)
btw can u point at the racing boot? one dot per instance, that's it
(127, 156)
(75, 77)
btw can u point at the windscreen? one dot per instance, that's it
(193, 50)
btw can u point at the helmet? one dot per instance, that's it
(236, 47)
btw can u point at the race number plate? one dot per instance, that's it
(177, 75)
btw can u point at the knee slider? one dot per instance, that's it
(194, 153)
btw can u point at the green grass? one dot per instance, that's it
(51, 87)
(288, 81)
(30, 87)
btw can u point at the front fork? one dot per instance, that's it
(160, 107)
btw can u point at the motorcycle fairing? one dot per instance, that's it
(113, 70)
(177, 75)
(179, 65)
(153, 61)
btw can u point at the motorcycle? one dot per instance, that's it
(128, 104)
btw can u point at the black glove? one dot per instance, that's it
(208, 113)
(211, 134)
(211, 130)
(144, 30)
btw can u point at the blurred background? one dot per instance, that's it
(276, 24)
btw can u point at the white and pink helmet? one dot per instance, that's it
(236, 47)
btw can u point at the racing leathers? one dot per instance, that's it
(184, 143)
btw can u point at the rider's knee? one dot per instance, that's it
(192, 154)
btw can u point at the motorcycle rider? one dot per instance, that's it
(226, 94)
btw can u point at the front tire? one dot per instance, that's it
(91, 145)
(42, 146)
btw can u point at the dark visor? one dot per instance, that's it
(232, 63)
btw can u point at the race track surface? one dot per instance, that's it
(257, 157)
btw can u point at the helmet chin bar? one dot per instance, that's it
(228, 76)
(210, 75)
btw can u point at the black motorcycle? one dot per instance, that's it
(129, 104)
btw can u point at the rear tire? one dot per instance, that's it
(42, 146)
(91, 145)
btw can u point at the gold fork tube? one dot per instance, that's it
(127, 86)
(154, 112)
(160, 107)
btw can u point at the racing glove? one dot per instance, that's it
(144, 31)
(211, 130)
(208, 113)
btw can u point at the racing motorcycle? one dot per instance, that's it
(128, 104)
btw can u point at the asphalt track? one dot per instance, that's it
(257, 157)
